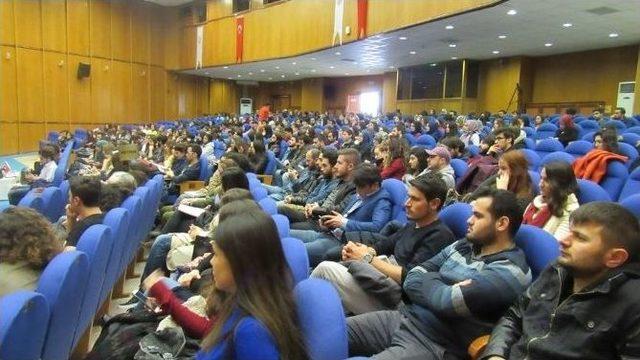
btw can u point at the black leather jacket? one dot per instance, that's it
(600, 322)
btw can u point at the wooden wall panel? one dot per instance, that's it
(172, 90)
(157, 92)
(120, 30)
(7, 31)
(56, 88)
(101, 75)
(9, 138)
(8, 84)
(80, 89)
(172, 37)
(121, 92)
(100, 30)
(78, 26)
(223, 96)
(140, 96)
(188, 48)
(496, 82)
(311, 95)
(30, 86)
(389, 91)
(219, 42)
(156, 37)
(54, 25)
(30, 135)
(140, 32)
(28, 33)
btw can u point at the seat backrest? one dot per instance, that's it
(545, 131)
(473, 150)
(282, 223)
(557, 156)
(258, 192)
(118, 220)
(427, 141)
(589, 191)
(619, 125)
(628, 151)
(613, 181)
(271, 163)
(97, 243)
(62, 282)
(32, 200)
(297, 258)
(633, 129)
(459, 167)
(148, 215)
(268, 205)
(322, 320)
(630, 138)
(410, 139)
(588, 136)
(53, 203)
(547, 146)
(579, 148)
(535, 181)
(631, 186)
(532, 158)
(455, 216)
(632, 203)
(64, 189)
(23, 325)
(205, 170)
(590, 125)
(133, 204)
(398, 192)
(529, 143)
(539, 246)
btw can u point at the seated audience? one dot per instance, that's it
(393, 159)
(471, 132)
(83, 209)
(382, 260)
(557, 200)
(454, 297)
(439, 164)
(257, 156)
(567, 131)
(620, 114)
(455, 146)
(43, 179)
(586, 304)
(190, 172)
(418, 163)
(593, 166)
(27, 244)
(251, 300)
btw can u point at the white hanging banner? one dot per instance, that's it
(199, 41)
(337, 21)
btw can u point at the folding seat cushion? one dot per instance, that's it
(545, 131)
(398, 192)
(23, 325)
(297, 258)
(613, 181)
(547, 146)
(557, 156)
(631, 186)
(579, 148)
(632, 203)
(589, 191)
(540, 247)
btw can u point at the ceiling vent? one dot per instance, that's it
(603, 10)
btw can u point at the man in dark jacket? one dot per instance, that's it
(191, 171)
(587, 305)
(367, 282)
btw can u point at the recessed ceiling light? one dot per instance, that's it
(567, 25)
(332, 67)
(277, 67)
(454, 58)
(449, 27)
(206, 73)
(613, 35)
(502, 36)
(402, 38)
(229, 78)
(250, 73)
(346, 74)
(270, 78)
(433, 64)
(412, 52)
(338, 53)
(225, 67)
(452, 45)
(495, 52)
(368, 70)
(313, 58)
(282, 76)
(239, 75)
(297, 73)
(313, 70)
(548, 44)
(391, 66)
(261, 70)
(293, 63)
(511, 12)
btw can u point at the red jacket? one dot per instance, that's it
(593, 166)
(395, 170)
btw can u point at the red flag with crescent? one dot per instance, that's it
(239, 38)
(362, 19)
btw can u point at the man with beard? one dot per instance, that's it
(586, 305)
(454, 297)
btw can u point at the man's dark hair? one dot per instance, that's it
(622, 110)
(365, 175)
(241, 160)
(348, 131)
(180, 147)
(315, 153)
(352, 155)
(330, 154)
(507, 132)
(196, 149)
(453, 143)
(503, 203)
(571, 111)
(620, 227)
(432, 187)
(88, 189)
(48, 152)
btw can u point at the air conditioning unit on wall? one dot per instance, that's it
(626, 95)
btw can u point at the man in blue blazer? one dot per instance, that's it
(367, 210)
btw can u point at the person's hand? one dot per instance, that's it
(464, 282)
(288, 198)
(356, 251)
(308, 209)
(502, 181)
(152, 279)
(494, 149)
(333, 221)
(29, 177)
(195, 231)
(186, 279)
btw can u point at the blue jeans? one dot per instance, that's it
(317, 244)
(158, 255)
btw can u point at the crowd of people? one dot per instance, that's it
(409, 288)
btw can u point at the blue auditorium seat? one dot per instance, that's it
(535, 181)
(545, 131)
(53, 203)
(297, 258)
(633, 129)
(455, 216)
(619, 125)
(532, 158)
(133, 204)
(258, 192)
(282, 223)
(632, 203)
(62, 282)
(628, 151)
(398, 192)
(411, 140)
(205, 170)
(630, 138)
(118, 220)
(590, 126)
(588, 136)
(459, 167)
(531, 132)
(32, 200)
(426, 140)
(97, 243)
(473, 150)
(271, 163)
(631, 186)
(23, 325)
(589, 191)
(322, 320)
(268, 205)
(579, 148)
(529, 143)
(557, 156)
(64, 189)
(547, 146)
(540, 247)
(613, 181)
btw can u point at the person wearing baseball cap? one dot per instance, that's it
(439, 159)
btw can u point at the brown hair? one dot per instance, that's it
(519, 180)
(25, 235)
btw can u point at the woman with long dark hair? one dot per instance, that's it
(257, 156)
(557, 200)
(418, 162)
(252, 299)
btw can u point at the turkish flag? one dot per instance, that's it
(239, 38)
(362, 19)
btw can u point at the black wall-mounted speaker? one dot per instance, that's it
(84, 70)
